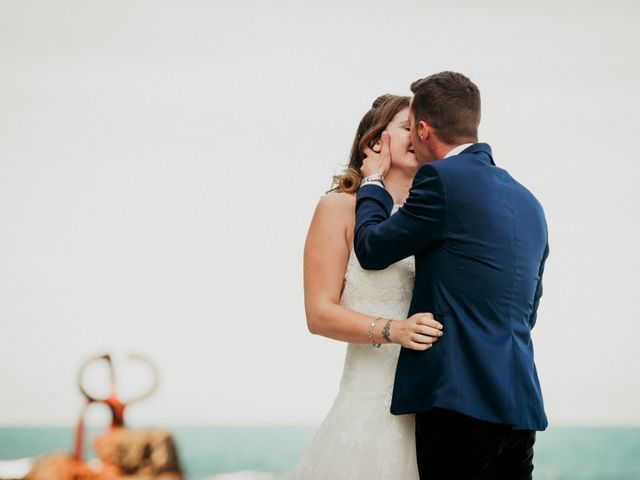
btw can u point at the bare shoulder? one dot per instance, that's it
(336, 213)
(338, 202)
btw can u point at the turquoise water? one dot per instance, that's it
(561, 453)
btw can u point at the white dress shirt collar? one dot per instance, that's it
(458, 149)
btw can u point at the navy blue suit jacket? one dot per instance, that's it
(480, 243)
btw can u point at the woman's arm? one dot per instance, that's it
(326, 254)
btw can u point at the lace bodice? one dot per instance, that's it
(381, 293)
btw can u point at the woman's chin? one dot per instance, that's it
(412, 162)
(408, 163)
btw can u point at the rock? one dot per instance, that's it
(123, 454)
(60, 466)
(138, 454)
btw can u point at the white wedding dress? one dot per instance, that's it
(360, 438)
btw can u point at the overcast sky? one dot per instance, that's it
(160, 162)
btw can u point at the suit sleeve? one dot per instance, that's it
(381, 239)
(536, 299)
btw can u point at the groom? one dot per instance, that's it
(480, 244)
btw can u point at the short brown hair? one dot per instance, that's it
(450, 103)
(374, 122)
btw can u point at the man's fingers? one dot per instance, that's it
(369, 152)
(385, 153)
(385, 140)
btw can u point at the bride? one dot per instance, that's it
(359, 438)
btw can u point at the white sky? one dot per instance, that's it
(160, 162)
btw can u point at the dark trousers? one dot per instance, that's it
(452, 446)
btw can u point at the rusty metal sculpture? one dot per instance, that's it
(122, 453)
(116, 406)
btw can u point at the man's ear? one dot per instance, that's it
(424, 131)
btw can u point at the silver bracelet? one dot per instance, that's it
(373, 324)
(386, 331)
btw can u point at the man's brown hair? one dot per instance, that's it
(450, 103)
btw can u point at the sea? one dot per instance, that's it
(562, 453)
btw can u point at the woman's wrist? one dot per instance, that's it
(373, 337)
(386, 331)
(381, 331)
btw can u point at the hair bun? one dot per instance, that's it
(380, 100)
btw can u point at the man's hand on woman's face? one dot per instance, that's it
(377, 163)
